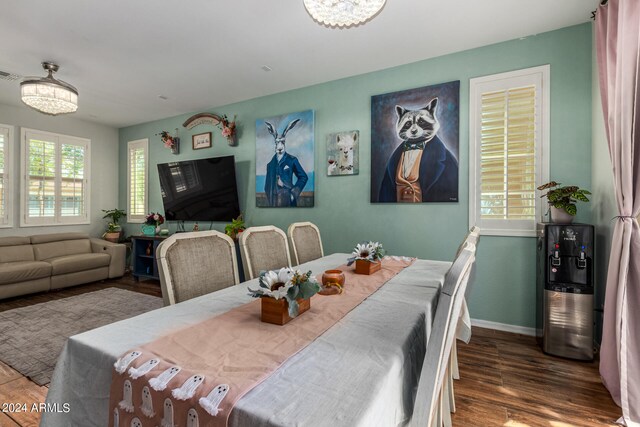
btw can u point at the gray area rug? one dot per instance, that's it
(32, 338)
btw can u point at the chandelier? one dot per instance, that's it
(49, 95)
(343, 13)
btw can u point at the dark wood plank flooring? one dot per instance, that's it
(506, 379)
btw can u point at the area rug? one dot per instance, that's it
(32, 337)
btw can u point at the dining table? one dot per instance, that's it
(362, 371)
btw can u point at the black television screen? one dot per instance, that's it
(199, 190)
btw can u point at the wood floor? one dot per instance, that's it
(506, 379)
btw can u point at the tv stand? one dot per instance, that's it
(143, 257)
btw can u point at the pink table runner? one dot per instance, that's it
(194, 376)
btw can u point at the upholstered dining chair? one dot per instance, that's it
(263, 248)
(194, 264)
(431, 406)
(305, 242)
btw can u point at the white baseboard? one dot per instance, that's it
(504, 327)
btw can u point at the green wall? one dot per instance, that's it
(505, 287)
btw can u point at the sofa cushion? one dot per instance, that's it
(79, 262)
(15, 249)
(56, 237)
(20, 271)
(14, 241)
(46, 251)
(16, 253)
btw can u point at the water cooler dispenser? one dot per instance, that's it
(564, 317)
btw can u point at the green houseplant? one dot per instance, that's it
(562, 200)
(236, 227)
(114, 230)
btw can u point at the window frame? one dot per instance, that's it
(138, 143)
(7, 221)
(57, 218)
(477, 86)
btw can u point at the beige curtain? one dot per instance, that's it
(618, 47)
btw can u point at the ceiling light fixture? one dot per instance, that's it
(49, 95)
(343, 13)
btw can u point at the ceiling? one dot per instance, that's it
(200, 54)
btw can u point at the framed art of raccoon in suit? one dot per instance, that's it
(415, 145)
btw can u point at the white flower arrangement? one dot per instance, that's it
(367, 251)
(288, 284)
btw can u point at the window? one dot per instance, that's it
(55, 184)
(137, 161)
(509, 146)
(6, 140)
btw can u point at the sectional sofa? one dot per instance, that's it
(52, 261)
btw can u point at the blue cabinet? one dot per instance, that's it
(143, 256)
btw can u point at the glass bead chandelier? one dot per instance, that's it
(343, 13)
(49, 95)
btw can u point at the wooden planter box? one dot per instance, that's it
(367, 267)
(276, 311)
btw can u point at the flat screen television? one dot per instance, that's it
(199, 190)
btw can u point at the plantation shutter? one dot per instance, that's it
(5, 190)
(41, 178)
(509, 140)
(137, 163)
(56, 182)
(72, 180)
(508, 158)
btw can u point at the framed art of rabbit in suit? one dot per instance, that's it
(287, 178)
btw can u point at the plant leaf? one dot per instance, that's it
(571, 209)
(308, 289)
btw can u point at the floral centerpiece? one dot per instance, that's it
(170, 142)
(285, 289)
(228, 128)
(367, 256)
(152, 223)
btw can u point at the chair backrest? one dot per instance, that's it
(473, 236)
(194, 264)
(305, 242)
(441, 339)
(263, 248)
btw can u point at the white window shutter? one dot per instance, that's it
(55, 184)
(6, 205)
(137, 163)
(509, 145)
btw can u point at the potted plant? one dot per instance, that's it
(367, 256)
(114, 230)
(236, 227)
(562, 201)
(284, 294)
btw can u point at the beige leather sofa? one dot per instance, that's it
(52, 261)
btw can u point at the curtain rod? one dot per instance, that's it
(602, 3)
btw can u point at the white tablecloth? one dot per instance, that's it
(361, 372)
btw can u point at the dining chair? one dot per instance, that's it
(464, 323)
(305, 242)
(263, 248)
(431, 406)
(472, 237)
(194, 264)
